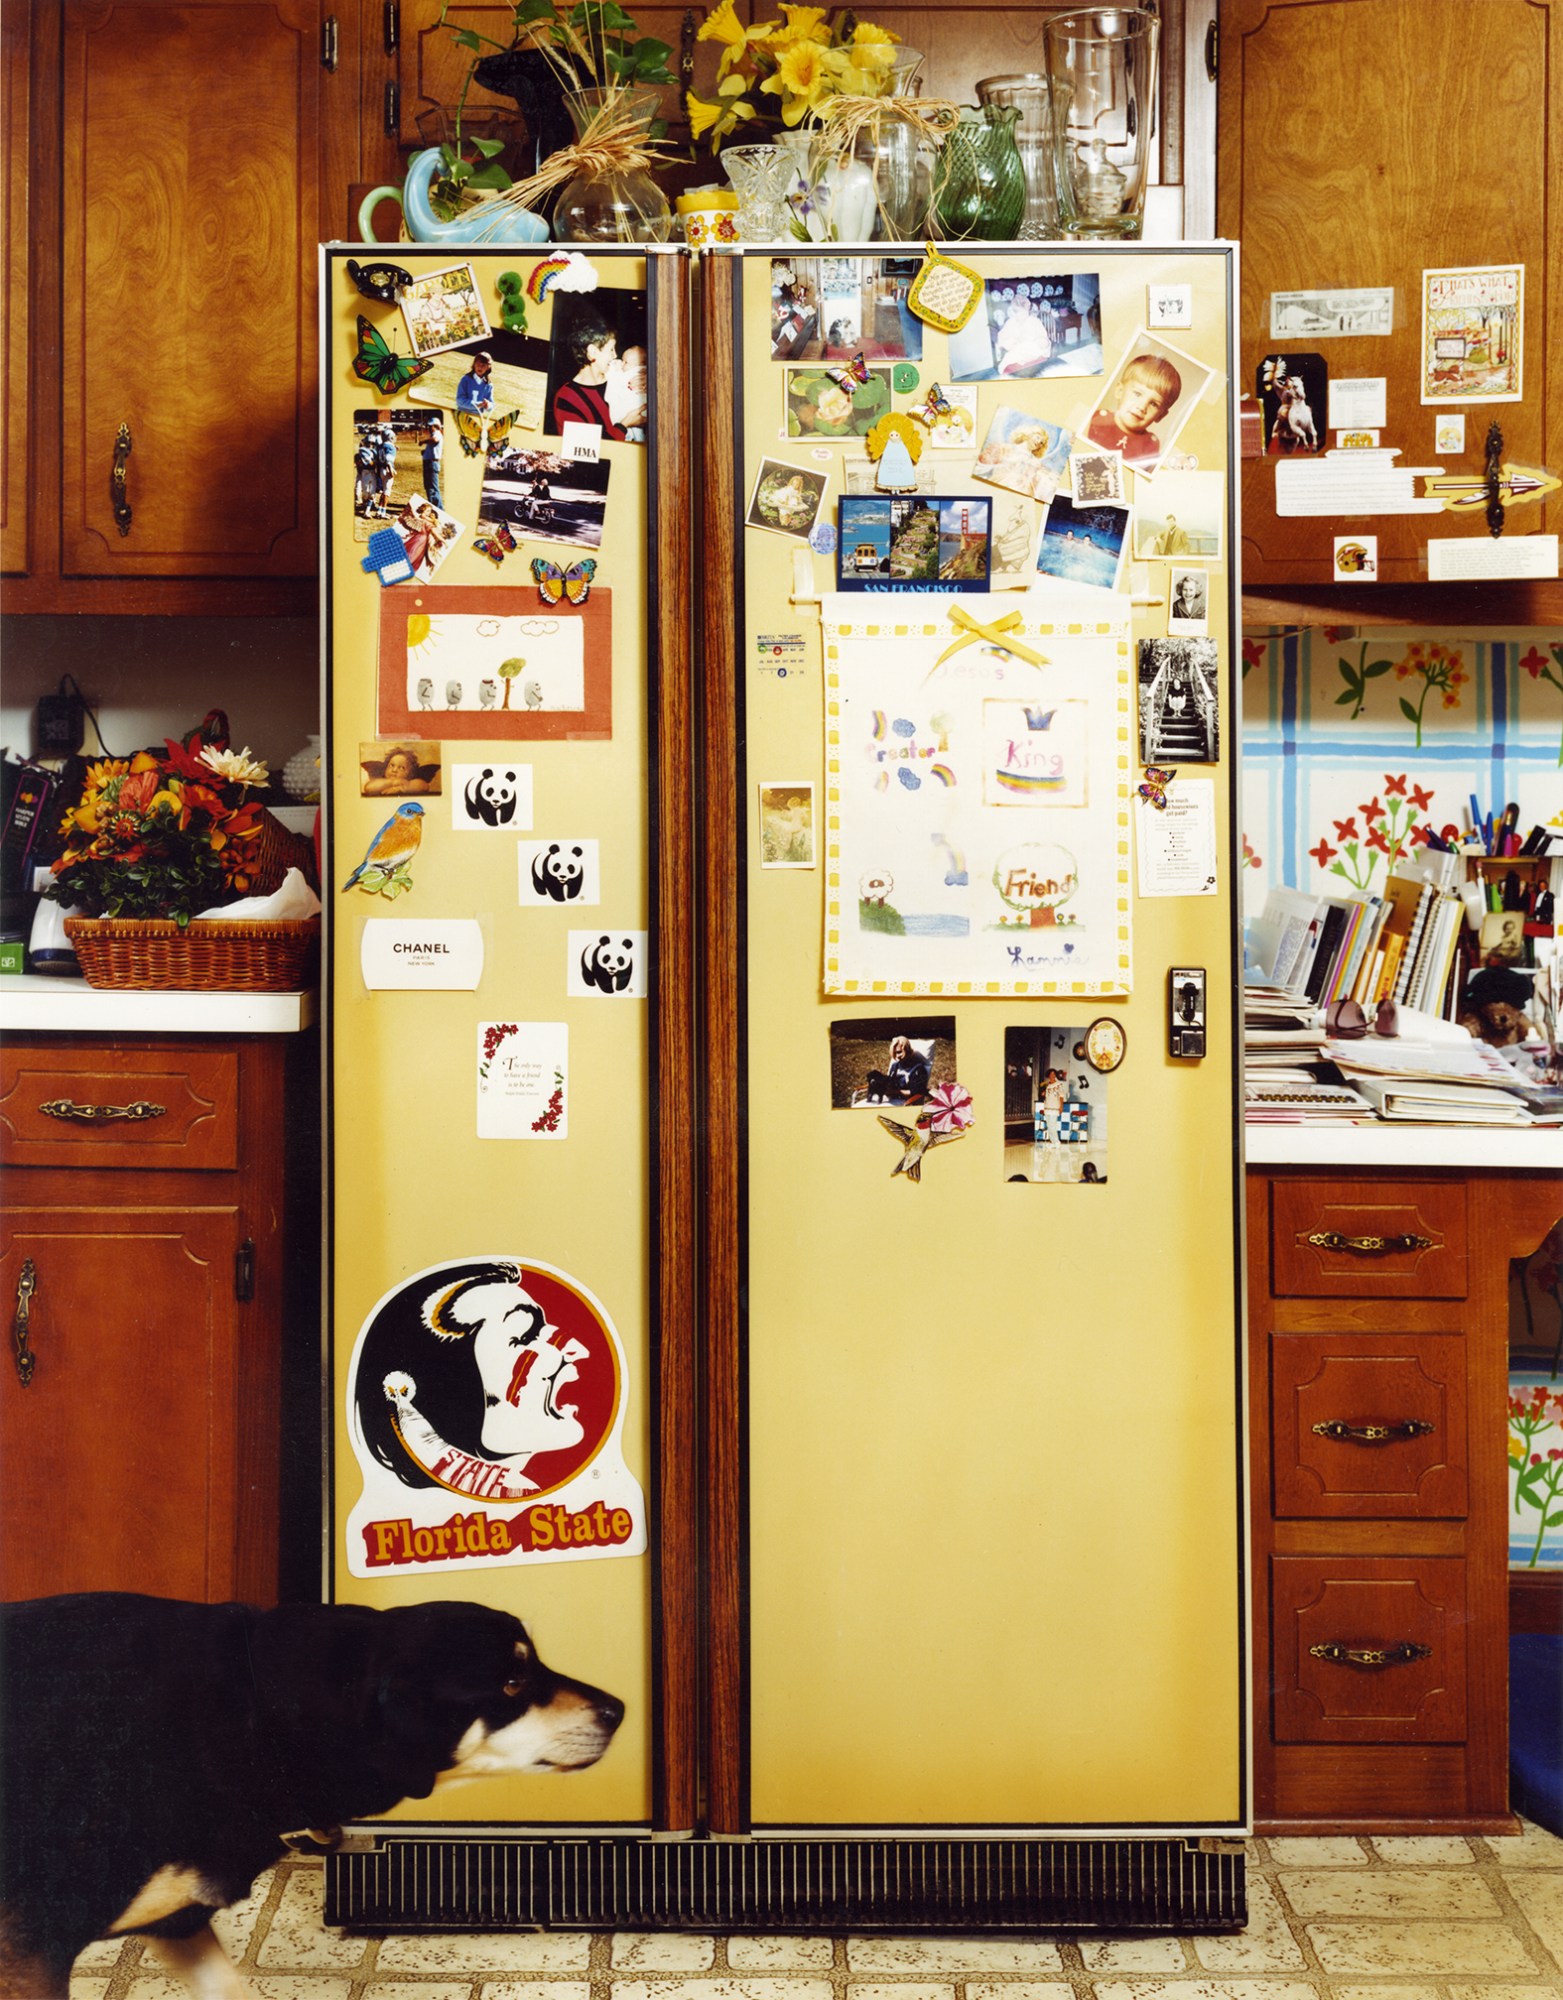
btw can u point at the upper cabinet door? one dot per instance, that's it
(16, 90)
(191, 135)
(1362, 142)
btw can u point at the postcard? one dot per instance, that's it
(1055, 1108)
(544, 497)
(523, 1079)
(834, 402)
(1188, 603)
(1083, 544)
(908, 541)
(787, 823)
(786, 499)
(400, 770)
(890, 1059)
(832, 308)
(1031, 327)
(1473, 334)
(427, 533)
(442, 309)
(1024, 453)
(1147, 401)
(1332, 315)
(506, 391)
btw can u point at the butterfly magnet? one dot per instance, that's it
(573, 583)
(496, 546)
(1154, 789)
(378, 362)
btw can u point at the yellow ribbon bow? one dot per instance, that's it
(972, 630)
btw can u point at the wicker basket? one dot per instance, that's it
(136, 954)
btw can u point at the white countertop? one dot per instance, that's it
(1404, 1145)
(36, 1002)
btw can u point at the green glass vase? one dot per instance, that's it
(981, 182)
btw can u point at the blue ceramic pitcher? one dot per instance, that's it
(488, 222)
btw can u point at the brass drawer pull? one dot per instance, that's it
(101, 1114)
(119, 480)
(1339, 1654)
(26, 1285)
(1413, 1427)
(1332, 1239)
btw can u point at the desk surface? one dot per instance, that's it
(1447, 1147)
(35, 1003)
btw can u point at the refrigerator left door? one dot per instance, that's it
(506, 677)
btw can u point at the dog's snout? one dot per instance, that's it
(610, 1711)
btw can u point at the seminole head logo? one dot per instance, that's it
(491, 1379)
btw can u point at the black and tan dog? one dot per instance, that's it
(155, 1753)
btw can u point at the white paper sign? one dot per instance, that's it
(581, 443)
(606, 965)
(491, 798)
(1177, 846)
(421, 954)
(558, 871)
(523, 1079)
(1358, 401)
(1452, 561)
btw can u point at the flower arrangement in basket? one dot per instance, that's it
(156, 840)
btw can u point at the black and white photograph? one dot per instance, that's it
(1183, 519)
(1179, 702)
(890, 1059)
(1188, 603)
(1334, 315)
(544, 497)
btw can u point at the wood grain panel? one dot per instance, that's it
(1368, 1604)
(675, 1077)
(15, 347)
(1335, 169)
(188, 273)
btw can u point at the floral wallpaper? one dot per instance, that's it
(1358, 743)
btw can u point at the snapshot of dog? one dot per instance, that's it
(1291, 389)
(834, 308)
(1055, 1109)
(889, 1059)
(157, 1752)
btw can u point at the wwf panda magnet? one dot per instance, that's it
(491, 798)
(555, 872)
(606, 965)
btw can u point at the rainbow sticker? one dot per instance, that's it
(565, 271)
(879, 725)
(1027, 785)
(942, 772)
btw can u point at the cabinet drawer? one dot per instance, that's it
(1403, 1618)
(147, 1108)
(1368, 1425)
(1368, 1239)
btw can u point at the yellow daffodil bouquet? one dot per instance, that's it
(162, 836)
(799, 63)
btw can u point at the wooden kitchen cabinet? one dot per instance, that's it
(178, 159)
(160, 1314)
(1378, 1369)
(1359, 143)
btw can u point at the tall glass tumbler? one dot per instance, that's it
(1102, 71)
(1027, 93)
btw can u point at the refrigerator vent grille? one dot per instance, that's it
(472, 1883)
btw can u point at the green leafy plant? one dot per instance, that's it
(1539, 1481)
(1356, 675)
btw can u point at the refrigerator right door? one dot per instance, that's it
(975, 1216)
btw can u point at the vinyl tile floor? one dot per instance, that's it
(1334, 1918)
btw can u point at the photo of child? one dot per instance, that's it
(1147, 401)
(1032, 327)
(1024, 453)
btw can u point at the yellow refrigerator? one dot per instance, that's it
(808, 972)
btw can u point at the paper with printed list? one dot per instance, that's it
(1177, 846)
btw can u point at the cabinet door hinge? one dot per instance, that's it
(393, 108)
(244, 1272)
(1212, 51)
(393, 26)
(329, 52)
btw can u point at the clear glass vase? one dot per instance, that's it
(882, 185)
(761, 176)
(1027, 93)
(980, 184)
(614, 207)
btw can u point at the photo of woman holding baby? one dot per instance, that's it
(597, 364)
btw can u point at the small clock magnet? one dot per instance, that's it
(1105, 1044)
(1186, 1012)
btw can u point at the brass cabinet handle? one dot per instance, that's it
(1339, 1654)
(119, 480)
(1343, 1433)
(26, 1285)
(1332, 1239)
(101, 1114)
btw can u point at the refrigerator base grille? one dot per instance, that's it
(467, 1883)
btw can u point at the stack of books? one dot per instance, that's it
(1283, 1062)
